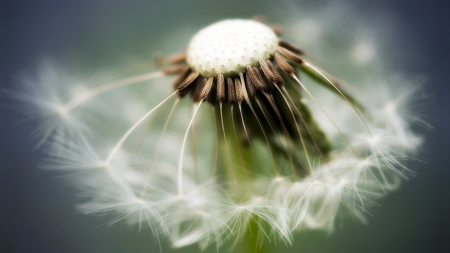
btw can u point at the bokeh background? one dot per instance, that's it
(37, 211)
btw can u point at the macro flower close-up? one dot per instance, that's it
(279, 128)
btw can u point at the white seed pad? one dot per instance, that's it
(226, 47)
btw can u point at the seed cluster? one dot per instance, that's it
(228, 46)
(218, 59)
(287, 157)
(260, 77)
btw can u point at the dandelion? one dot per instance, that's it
(255, 139)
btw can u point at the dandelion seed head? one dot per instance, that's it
(276, 151)
(227, 47)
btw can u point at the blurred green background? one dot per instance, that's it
(37, 211)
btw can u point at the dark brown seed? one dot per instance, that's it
(266, 84)
(266, 70)
(290, 55)
(174, 69)
(189, 79)
(279, 79)
(289, 46)
(283, 64)
(250, 86)
(220, 88)
(231, 91)
(177, 58)
(238, 88)
(181, 77)
(196, 89)
(211, 98)
(206, 89)
(183, 93)
(254, 78)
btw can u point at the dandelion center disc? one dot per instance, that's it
(226, 47)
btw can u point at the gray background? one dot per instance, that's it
(37, 211)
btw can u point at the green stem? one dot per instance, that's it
(250, 241)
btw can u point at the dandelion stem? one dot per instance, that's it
(237, 141)
(229, 156)
(254, 242)
(275, 168)
(216, 155)
(249, 141)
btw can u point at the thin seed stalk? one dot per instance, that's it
(322, 81)
(240, 167)
(316, 135)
